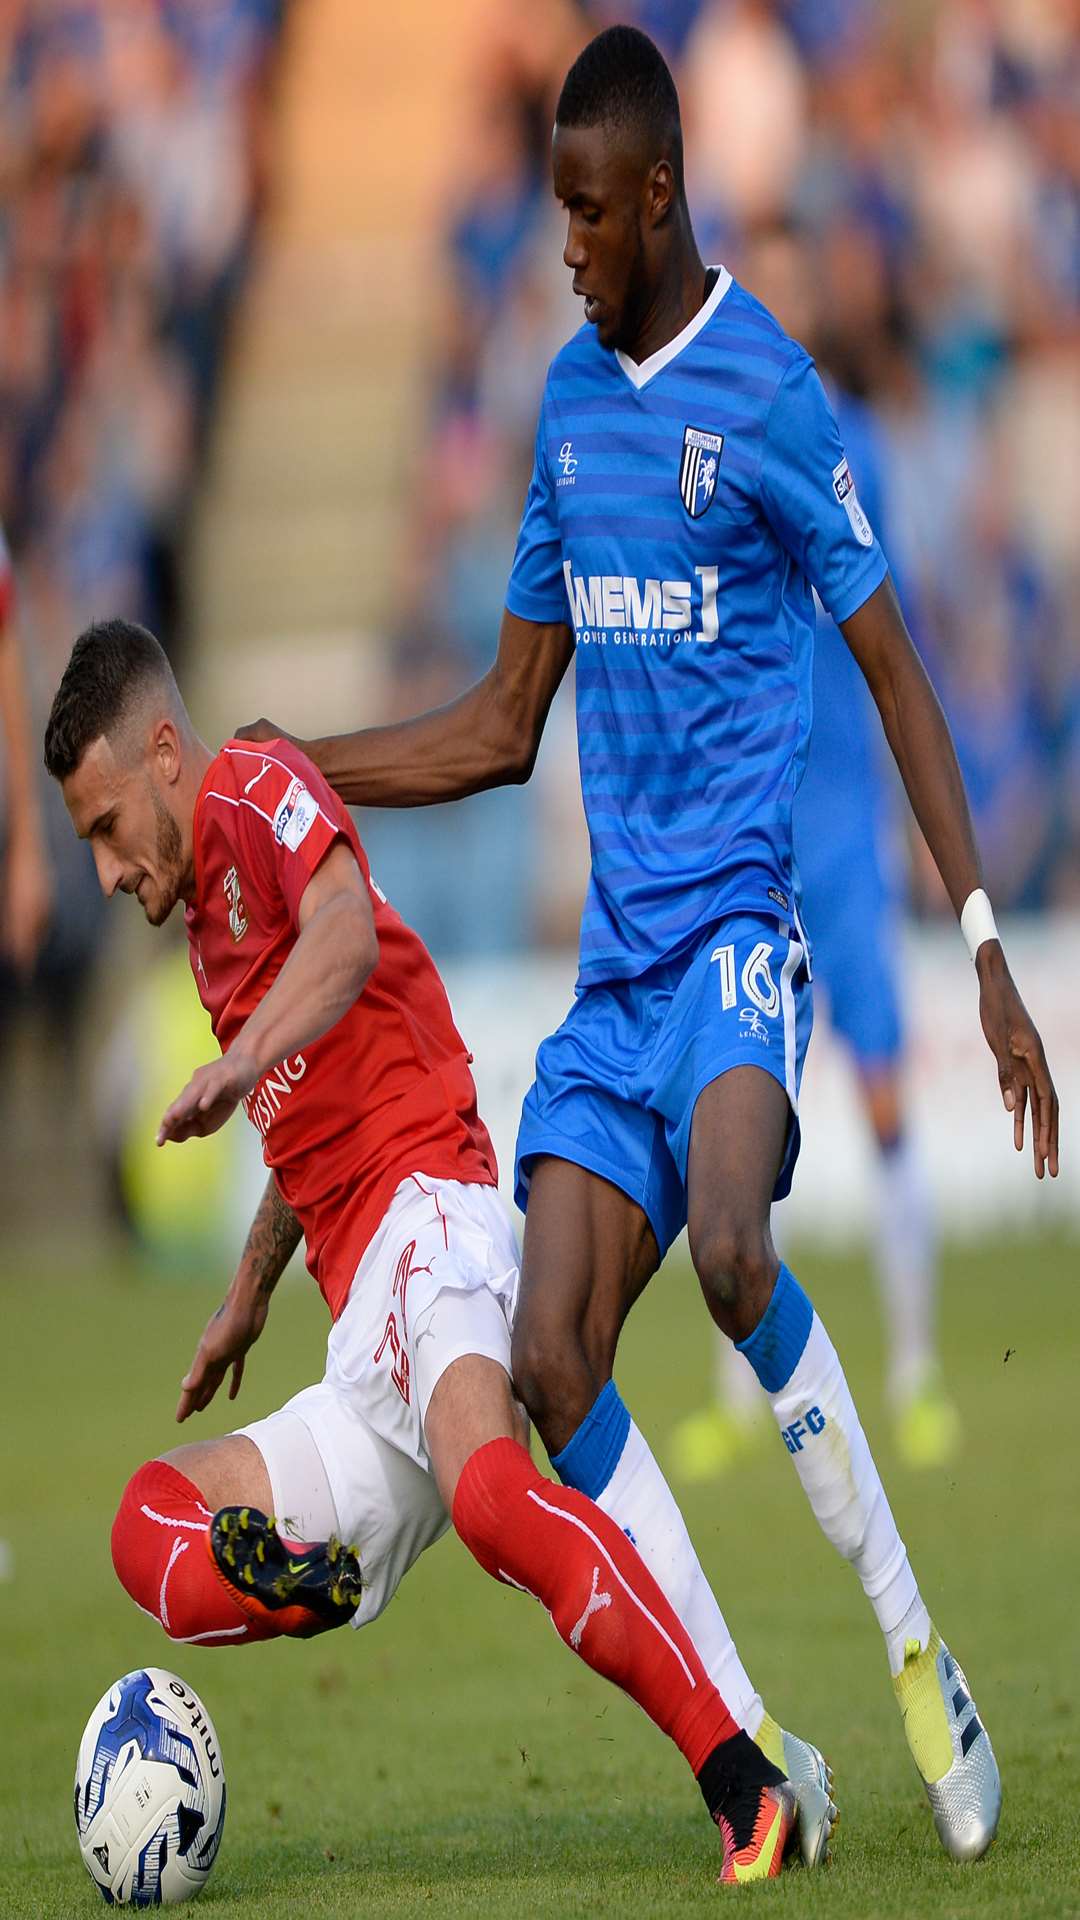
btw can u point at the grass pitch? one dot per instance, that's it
(454, 1758)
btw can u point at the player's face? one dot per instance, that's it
(605, 187)
(134, 836)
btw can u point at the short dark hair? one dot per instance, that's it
(621, 79)
(111, 664)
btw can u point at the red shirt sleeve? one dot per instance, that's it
(286, 819)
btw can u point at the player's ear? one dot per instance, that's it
(165, 748)
(659, 192)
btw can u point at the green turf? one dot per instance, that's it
(455, 1758)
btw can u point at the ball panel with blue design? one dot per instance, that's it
(149, 1791)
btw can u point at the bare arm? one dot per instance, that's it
(922, 746)
(487, 738)
(335, 952)
(273, 1238)
(27, 898)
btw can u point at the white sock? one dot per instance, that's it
(639, 1500)
(905, 1257)
(822, 1431)
(737, 1386)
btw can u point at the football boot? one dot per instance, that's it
(950, 1747)
(811, 1776)
(307, 1588)
(757, 1827)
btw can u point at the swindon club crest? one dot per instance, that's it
(697, 474)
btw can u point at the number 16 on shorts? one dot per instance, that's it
(758, 984)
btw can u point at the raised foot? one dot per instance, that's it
(306, 1588)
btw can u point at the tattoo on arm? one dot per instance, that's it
(273, 1239)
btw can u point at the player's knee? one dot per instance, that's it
(736, 1266)
(128, 1561)
(551, 1376)
(488, 1493)
(534, 1365)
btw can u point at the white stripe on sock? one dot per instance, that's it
(178, 1547)
(214, 1633)
(163, 1520)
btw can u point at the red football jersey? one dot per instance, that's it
(387, 1091)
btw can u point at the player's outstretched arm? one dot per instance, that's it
(487, 738)
(335, 951)
(27, 884)
(274, 1237)
(919, 736)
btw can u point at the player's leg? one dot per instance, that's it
(860, 958)
(552, 1543)
(905, 1248)
(602, 1199)
(160, 1531)
(738, 1143)
(194, 1543)
(589, 1252)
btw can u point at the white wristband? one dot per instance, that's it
(977, 921)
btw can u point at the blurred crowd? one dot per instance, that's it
(921, 156)
(133, 169)
(924, 156)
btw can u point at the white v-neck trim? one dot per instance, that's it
(639, 376)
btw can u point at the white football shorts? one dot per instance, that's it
(438, 1281)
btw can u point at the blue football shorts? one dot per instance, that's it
(616, 1085)
(854, 923)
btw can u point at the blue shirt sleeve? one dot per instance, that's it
(537, 588)
(809, 497)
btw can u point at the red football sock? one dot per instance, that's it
(555, 1544)
(159, 1552)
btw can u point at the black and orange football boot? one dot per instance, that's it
(307, 1588)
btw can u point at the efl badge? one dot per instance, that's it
(697, 475)
(844, 488)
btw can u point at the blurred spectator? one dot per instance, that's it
(25, 881)
(132, 173)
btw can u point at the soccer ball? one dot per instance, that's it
(149, 1791)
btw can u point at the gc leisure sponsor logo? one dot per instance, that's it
(568, 464)
(295, 816)
(753, 1026)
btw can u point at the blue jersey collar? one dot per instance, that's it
(640, 375)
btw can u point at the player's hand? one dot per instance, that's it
(259, 731)
(211, 1095)
(1023, 1074)
(234, 1328)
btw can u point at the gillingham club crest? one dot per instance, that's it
(697, 474)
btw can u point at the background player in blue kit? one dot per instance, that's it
(689, 493)
(848, 836)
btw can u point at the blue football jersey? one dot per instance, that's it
(680, 513)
